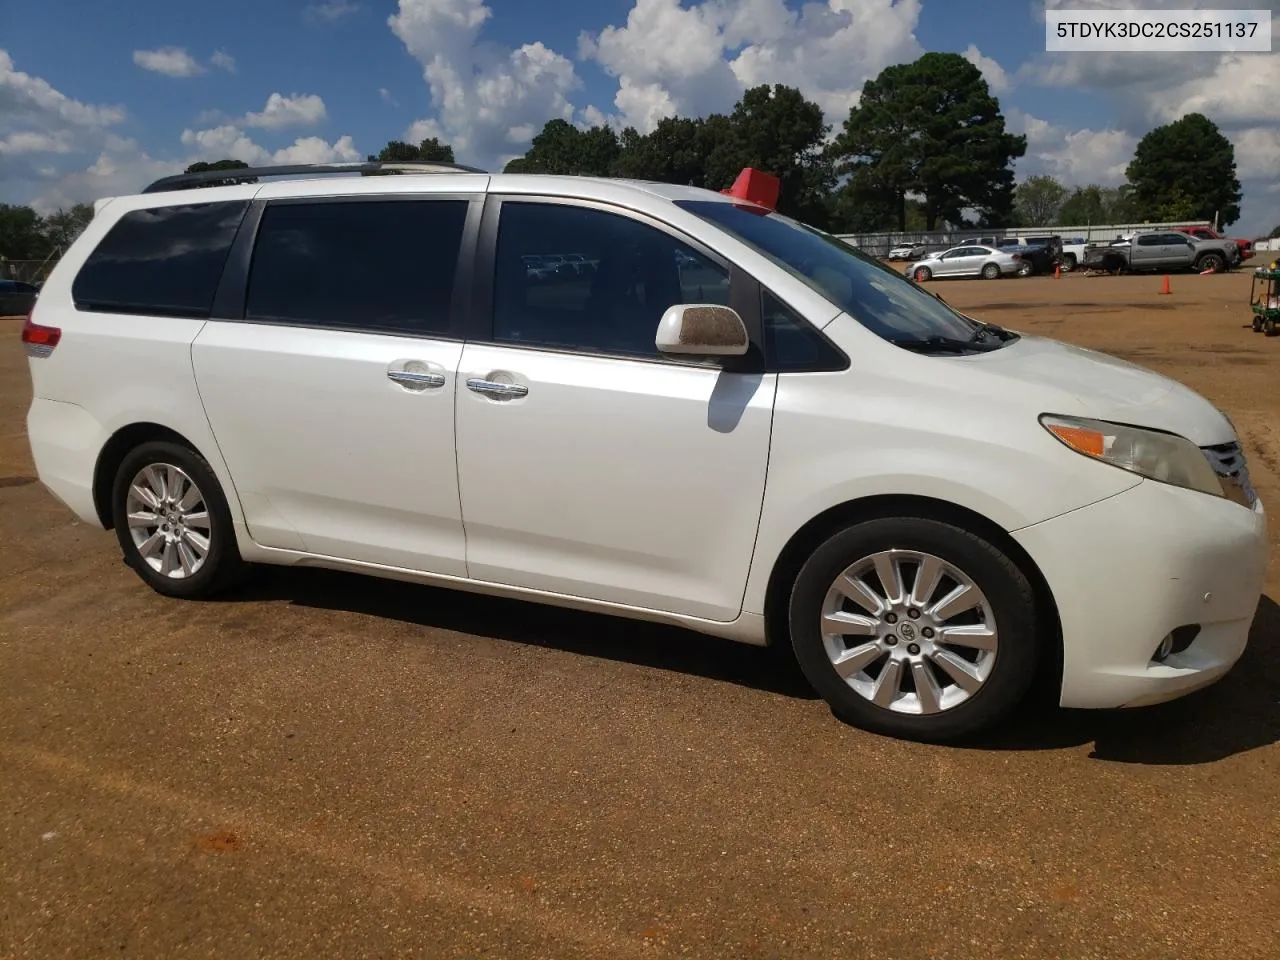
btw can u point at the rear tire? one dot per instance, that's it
(172, 521)
(964, 664)
(1068, 262)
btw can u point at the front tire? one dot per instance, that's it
(1211, 261)
(990, 272)
(915, 628)
(173, 523)
(923, 274)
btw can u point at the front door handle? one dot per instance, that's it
(415, 380)
(496, 390)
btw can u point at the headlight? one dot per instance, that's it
(1166, 457)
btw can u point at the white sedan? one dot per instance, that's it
(970, 260)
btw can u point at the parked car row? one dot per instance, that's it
(1025, 256)
(545, 267)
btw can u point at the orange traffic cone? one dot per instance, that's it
(1166, 285)
(1057, 271)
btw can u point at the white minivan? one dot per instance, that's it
(730, 422)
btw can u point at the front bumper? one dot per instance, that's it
(1129, 570)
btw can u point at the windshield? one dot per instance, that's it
(881, 299)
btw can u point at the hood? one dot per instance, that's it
(1109, 388)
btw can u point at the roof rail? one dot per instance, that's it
(186, 181)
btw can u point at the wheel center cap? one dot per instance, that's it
(907, 631)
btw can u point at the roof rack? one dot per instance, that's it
(186, 181)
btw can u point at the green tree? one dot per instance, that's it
(1037, 200)
(201, 166)
(1275, 233)
(562, 148)
(1085, 205)
(21, 234)
(676, 151)
(933, 128)
(1097, 204)
(1186, 167)
(775, 130)
(430, 150)
(62, 227)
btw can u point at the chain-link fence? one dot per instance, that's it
(28, 271)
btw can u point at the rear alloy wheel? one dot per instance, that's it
(923, 274)
(173, 523)
(1068, 262)
(915, 628)
(990, 272)
(1024, 269)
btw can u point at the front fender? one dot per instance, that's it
(868, 439)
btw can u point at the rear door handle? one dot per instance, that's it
(499, 391)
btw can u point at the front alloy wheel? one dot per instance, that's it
(909, 632)
(915, 628)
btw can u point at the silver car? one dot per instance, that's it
(967, 260)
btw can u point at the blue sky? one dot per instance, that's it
(94, 101)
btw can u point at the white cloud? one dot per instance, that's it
(481, 92)
(31, 141)
(425, 129)
(223, 61)
(385, 96)
(328, 12)
(317, 150)
(27, 101)
(671, 58)
(121, 167)
(1242, 89)
(992, 72)
(225, 142)
(171, 61)
(292, 111)
(1258, 154)
(229, 141)
(1076, 157)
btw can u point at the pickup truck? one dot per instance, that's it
(1164, 250)
(1208, 233)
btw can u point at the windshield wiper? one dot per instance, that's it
(940, 344)
(983, 329)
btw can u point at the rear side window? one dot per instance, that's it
(383, 265)
(163, 261)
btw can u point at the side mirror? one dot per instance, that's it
(705, 330)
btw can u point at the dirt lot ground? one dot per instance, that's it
(327, 766)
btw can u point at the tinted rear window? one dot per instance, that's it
(367, 265)
(166, 260)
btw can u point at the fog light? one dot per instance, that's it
(1165, 648)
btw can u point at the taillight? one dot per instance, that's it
(39, 340)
